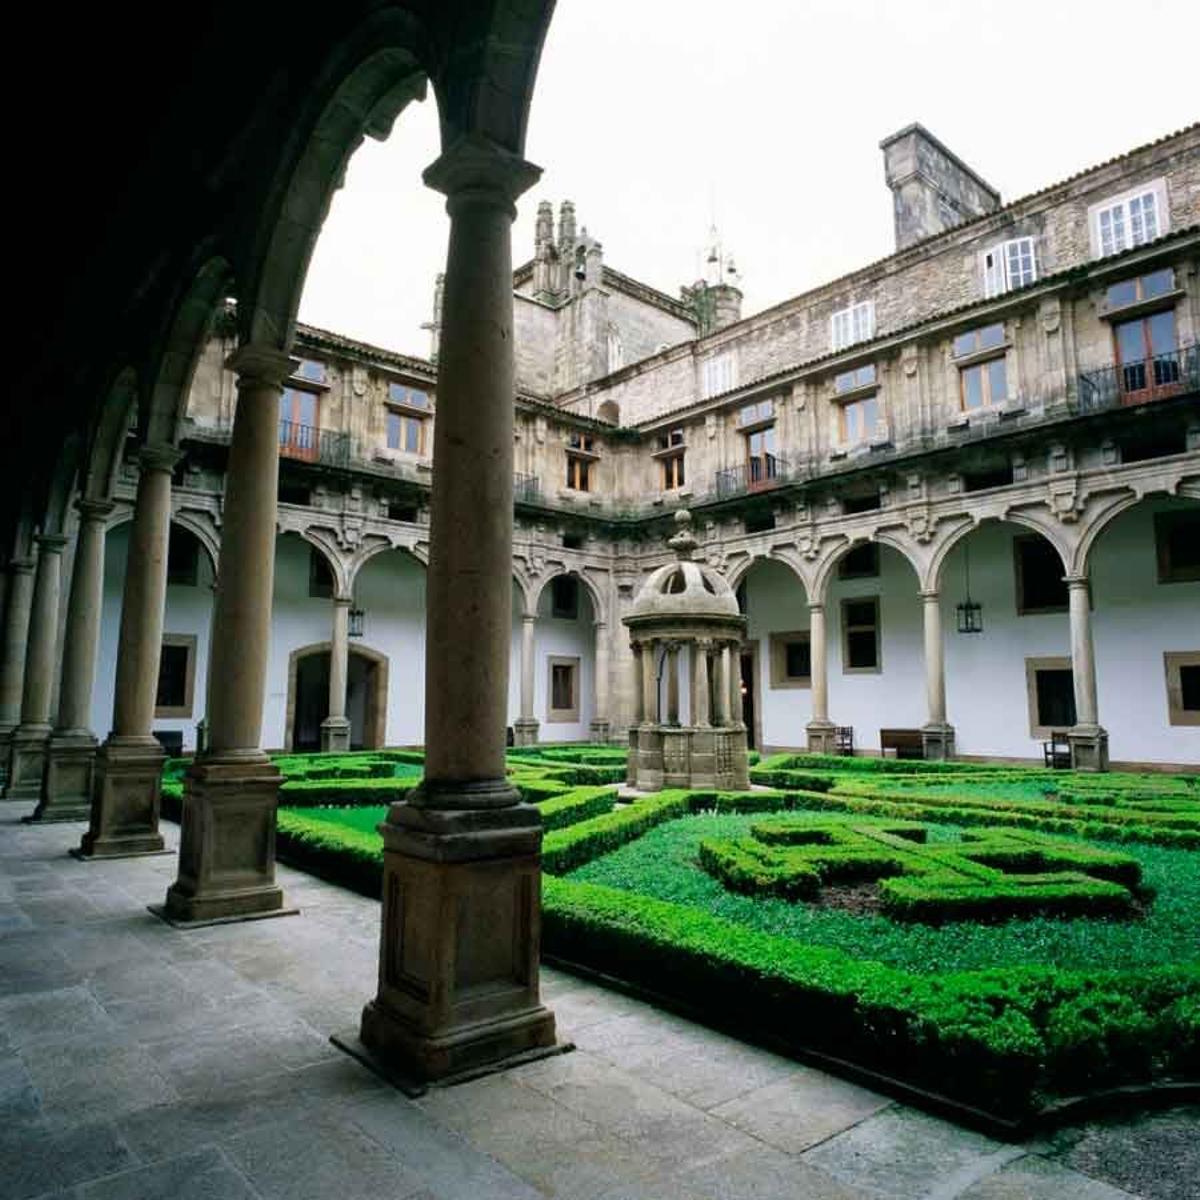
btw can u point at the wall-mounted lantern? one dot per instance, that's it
(355, 622)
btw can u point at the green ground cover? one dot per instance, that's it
(1003, 1016)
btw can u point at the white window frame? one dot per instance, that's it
(718, 374)
(852, 324)
(1004, 269)
(1124, 221)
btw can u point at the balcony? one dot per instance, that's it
(758, 474)
(304, 443)
(1141, 382)
(526, 489)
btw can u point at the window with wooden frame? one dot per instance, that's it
(176, 675)
(670, 455)
(299, 422)
(564, 597)
(858, 420)
(1050, 693)
(320, 576)
(1137, 217)
(982, 367)
(855, 323)
(1183, 686)
(311, 370)
(563, 702)
(1177, 545)
(581, 455)
(791, 659)
(860, 635)
(406, 420)
(1010, 265)
(1040, 576)
(1147, 356)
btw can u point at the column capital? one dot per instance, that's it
(1076, 581)
(475, 169)
(930, 595)
(343, 601)
(817, 606)
(91, 509)
(258, 365)
(20, 566)
(158, 456)
(599, 624)
(528, 618)
(51, 543)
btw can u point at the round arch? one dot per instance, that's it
(828, 564)
(189, 522)
(737, 574)
(328, 552)
(375, 727)
(355, 567)
(599, 612)
(933, 579)
(106, 437)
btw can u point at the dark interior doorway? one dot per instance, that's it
(747, 658)
(312, 700)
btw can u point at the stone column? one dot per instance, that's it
(937, 737)
(27, 761)
(335, 729)
(600, 721)
(126, 790)
(16, 635)
(650, 697)
(458, 978)
(227, 840)
(700, 688)
(672, 683)
(1089, 741)
(820, 729)
(525, 729)
(71, 754)
(733, 677)
(721, 688)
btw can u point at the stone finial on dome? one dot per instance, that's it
(683, 543)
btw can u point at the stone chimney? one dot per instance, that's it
(932, 188)
(727, 305)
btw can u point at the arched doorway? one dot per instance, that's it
(308, 697)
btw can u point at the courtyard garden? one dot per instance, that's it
(1006, 940)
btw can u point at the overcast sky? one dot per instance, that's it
(658, 116)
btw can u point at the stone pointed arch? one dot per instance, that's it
(169, 372)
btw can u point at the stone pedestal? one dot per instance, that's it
(458, 976)
(525, 731)
(69, 779)
(335, 734)
(821, 737)
(937, 742)
(126, 798)
(27, 761)
(227, 847)
(649, 777)
(1089, 747)
(599, 730)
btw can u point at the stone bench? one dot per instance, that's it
(904, 743)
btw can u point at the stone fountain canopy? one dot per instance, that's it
(686, 613)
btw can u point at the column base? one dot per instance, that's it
(525, 731)
(27, 762)
(335, 734)
(937, 742)
(1089, 748)
(69, 778)
(458, 982)
(821, 737)
(600, 730)
(126, 795)
(227, 841)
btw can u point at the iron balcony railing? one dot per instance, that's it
(1159, 378)
(308, 444)
(526, 489)
(756, 474)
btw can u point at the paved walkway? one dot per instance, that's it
(137, 1061)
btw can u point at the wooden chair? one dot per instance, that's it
(1057, 751)
(843, 739)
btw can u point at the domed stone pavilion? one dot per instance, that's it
(686, 632)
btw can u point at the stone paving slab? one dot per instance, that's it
(141, 1061)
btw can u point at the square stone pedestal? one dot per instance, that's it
(27, 762)
(227, 842)
(458, 964)
(599, 731)
(937, 742)
(69, 778)
(1089, 748)
(525, 731)
(821, 737)
(125, 799)
(335, 734)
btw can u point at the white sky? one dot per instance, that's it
(656, 115)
